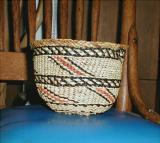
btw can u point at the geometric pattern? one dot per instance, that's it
(81, 52)
(77, 81)
(67, 85)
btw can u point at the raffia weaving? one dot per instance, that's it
(78, 77)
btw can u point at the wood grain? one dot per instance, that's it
(95, 19)
(31, 20)
(63, 12)
(13, 66)
(149, 91)
(123, 101)
(148, 27)
(3, 88)
(21, 7)
(133, 81)
(39, 19)
(39, 14)
(2, 15)
(107, 29)
(47, 9)
(16, 24)
(3, 47)
(6, 33)
(128, 18)
(79, 18)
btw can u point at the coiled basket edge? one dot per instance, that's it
(78, 77)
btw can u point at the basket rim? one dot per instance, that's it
(76, 43)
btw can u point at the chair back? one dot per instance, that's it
(24, 21)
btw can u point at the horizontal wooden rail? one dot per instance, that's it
(14, 68)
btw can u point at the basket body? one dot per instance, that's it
(78, 77)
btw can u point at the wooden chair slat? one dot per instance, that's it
(39, 14)
(3, 47)
(6, 34)
(47, 9)
(95, 19)
(79, 18)
(21, 7)
(16, 68)
(63, 12)
(39, 19)
(31, 20)
(14, 65)
(2, 15)
(16, 24)
(128, 18)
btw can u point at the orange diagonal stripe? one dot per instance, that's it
(56, 98)
(105, 93)
(67, 64)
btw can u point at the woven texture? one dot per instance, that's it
(78, 77)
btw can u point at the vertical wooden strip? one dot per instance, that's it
(3, 47)
(47, 9)
(2, 15)
(6, 28)
(123, 100)
(31, 20)
(39, 19)
(63, 12)
(95, 19)
(16, 24)
(79, 18)
(128, 18)
(3, 88)
(39, 13)
(21, 7)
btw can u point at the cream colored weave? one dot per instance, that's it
(78, 77)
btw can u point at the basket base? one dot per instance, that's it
(80, 110)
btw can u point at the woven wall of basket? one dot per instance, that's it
(78, 77)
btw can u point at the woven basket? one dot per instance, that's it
(78, 77)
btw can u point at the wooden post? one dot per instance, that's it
(47, 9)
(39, 19)
(128, 18)
(3, 47)
(95, 19)
(16, 24)
(133, 80)
(31, 20)
(63, 11)
(79, 18)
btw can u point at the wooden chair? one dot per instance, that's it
(38, 123)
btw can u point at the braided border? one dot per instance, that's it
(76, 81)
(81, 52)
(76, 43)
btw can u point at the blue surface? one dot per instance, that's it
(38, 124)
